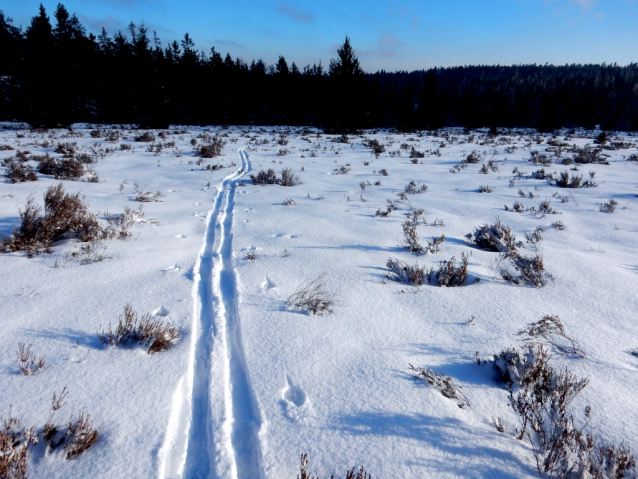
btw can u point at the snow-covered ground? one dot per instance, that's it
(251, 385)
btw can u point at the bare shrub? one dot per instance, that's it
(535, 238)
(496, 237)
(389, 209)
(383, 172)
(126, 147)
(146, 137)
(288, 178)
(484, 170)
(558, 225)
(18, 172)
(520, 369)
(551, 329)
(290, 202)
(312, 295)
(212, 148)
(154, 333)
(14, 448)
(342, 170)
(567, 181)
(413, 188)
(68, 169)
(268, 177)
(475, 157)
(450, 275)
(68, 150)
(409, 231)
(404, 273)
(64, 215)
(92, 252)
(415, 154)
(528, 269)
(351, 474)
(539, 175)
(118, 225)
(588, 155)
(485, 189)
(27, 362)
(609, 207)
(146, 196)
(444, 384)
(80, 435)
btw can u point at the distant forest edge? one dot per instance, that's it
(54, 74)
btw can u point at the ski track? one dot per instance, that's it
(202, 441)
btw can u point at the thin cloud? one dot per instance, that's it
(295, 13)
(228, 43)
(387, 47)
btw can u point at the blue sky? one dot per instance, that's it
(386, 35)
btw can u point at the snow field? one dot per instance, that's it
(250, 385)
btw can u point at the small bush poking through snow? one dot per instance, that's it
(27, 362)
(120, 224)
(413, 188)
(64, 214)
(290, 202)
(609, 207)
(485, 189)
(352, 474)
(14, 448)
(313, 296)
(269, 177)
(18, 172)
(551, 329)
(389, 209)
(405, 273)
(146, 137)
(528, 269)
(520, 369)
(450, 275)
(442, 383)
(496, 237)
(409, 231)
(154, 333)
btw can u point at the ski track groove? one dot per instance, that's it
(201, 442)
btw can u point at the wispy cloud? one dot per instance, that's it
(228, 43)
(386, 47)
(295, 13)
(586, 5)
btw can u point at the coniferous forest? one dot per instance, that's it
(54, 73)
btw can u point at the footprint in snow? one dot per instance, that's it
(172, 268)
(180, 236)
(294, 401)
(268, 284)
(161, 311)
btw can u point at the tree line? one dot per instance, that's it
(54, 74)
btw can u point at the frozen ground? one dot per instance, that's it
(252, 385)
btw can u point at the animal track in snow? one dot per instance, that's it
(173, 268)
(294, 401)
(180, 236)
(161, 311)
(268, 284)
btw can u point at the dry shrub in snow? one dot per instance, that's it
(442, 383)
(14, 448)
(528, 269)
(18, 172)
(155, 333)
(64, 215)
(496, 237)
(212, 148)
(312, 295)
(451, 275)
(588, 155)
(351, 474)
(389, 209)
(269, 177)
(409, 231)
(475, 157)
(290, 202)
(609, 207)
(61, 169)
(414, 188)
(120, 224)
(405, 273)
(485, 189)
(415, 154)
(27, 362)
(551, 329)
(146, 137)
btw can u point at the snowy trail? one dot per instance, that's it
(213, 429)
